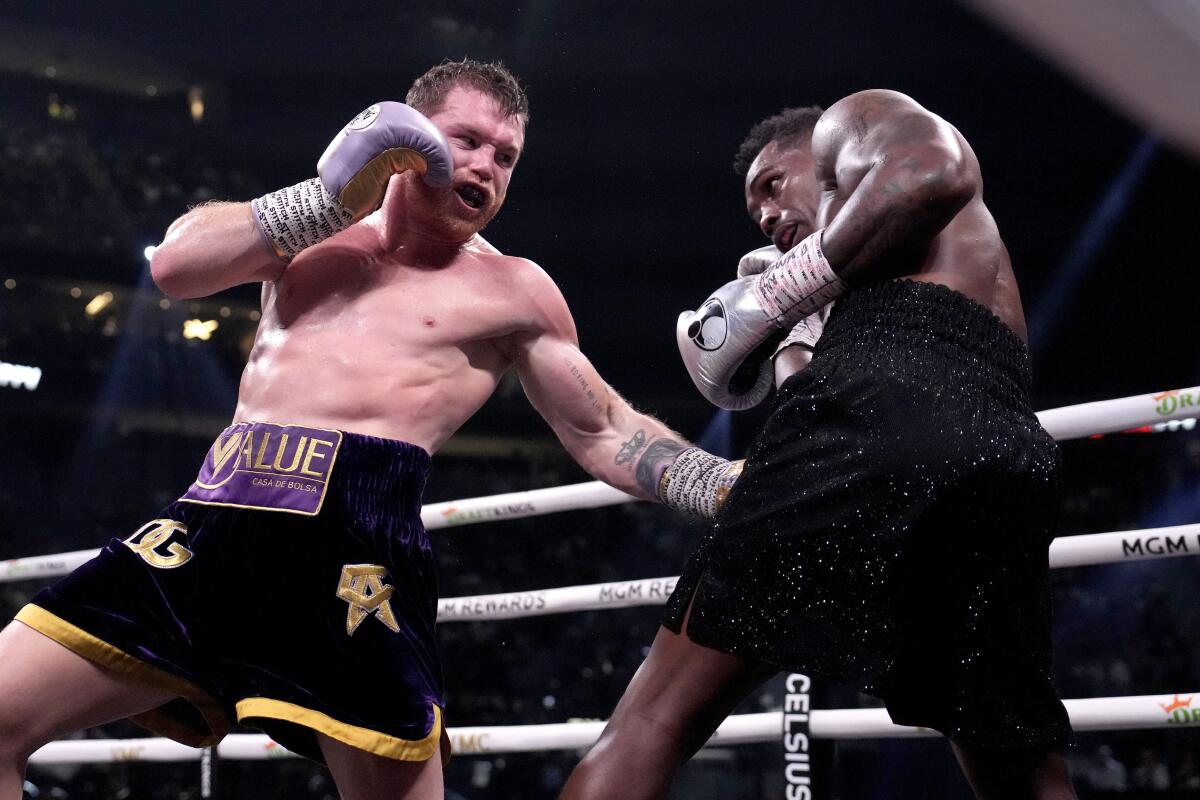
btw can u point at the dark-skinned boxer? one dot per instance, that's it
(891, 526)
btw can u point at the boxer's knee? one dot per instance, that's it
(18, 734)
(636, 757)
(18, 738)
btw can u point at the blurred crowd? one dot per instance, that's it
(85, 171)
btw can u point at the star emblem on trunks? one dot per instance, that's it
(363, 588)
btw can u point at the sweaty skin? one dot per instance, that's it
(909, 190)
(782, 197)
(902, 197)
(358, 338)
(782, 193)
(402, 325)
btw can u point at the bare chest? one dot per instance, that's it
(389, 305)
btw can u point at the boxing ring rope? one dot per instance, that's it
(1090, 714)
(1106, 713)
(1068, 551)
(1069, 422)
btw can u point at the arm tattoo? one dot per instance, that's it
(584, 385)
(630, 448)
(658, 456)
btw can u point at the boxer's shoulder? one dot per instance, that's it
(867, 106)
(858, 120)
(481, 246)
(547, 308)
(534, 301)
(520, 275)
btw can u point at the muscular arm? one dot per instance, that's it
(212, 248)
(612, 441)
(893, 175)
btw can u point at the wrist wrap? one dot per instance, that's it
(299, 216)
(697, 482)
(799, 283)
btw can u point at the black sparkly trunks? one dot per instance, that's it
(292, 588)
(891, 527)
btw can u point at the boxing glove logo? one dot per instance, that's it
(708, 329)
(364, 118)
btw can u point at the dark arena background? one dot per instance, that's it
(117, 117)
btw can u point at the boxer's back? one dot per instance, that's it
(861, 131)
(357, 339)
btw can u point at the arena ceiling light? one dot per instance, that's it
(98, 303)
(196, 103)
(19, 376)
(199, 329)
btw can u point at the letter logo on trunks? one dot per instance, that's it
(157, 542)
(269, 467)
(363, 588)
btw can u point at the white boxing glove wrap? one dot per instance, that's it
(799, 283)
(386, 139)
(697, 482)
(299, 216)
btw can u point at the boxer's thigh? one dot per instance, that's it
(674, 703)
(47, 691)
(360, 775)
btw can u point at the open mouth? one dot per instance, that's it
(785, 237)
(473, 196)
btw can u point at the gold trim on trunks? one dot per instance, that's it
(380, 744)
(158, 720)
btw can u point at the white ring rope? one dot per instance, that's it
(1071, 422)
(1110, 416)
(1091, 714)
(1067, 551)
(23, 569)
(1068, 422)
(515, 505)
